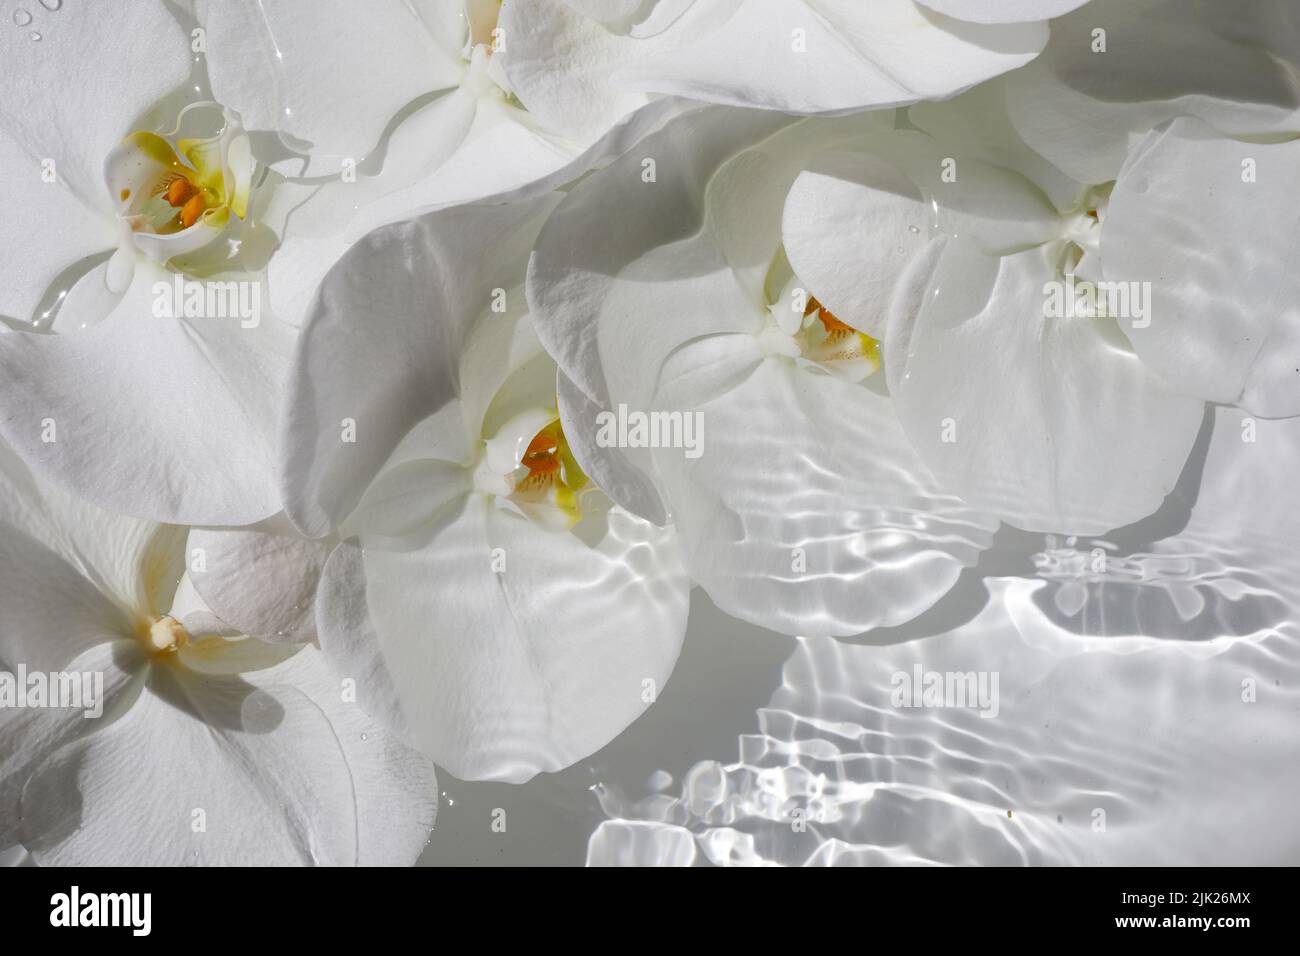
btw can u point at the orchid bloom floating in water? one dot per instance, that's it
(202, 746)
(499, 612)
(1065, 411)
(365, 140)
(167, 418)
(810, 513)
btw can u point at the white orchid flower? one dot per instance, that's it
(1071, 421)
(477, 97)
(489, 602)
(202, 746)
(367, 139)
(805, 510)
(313, 77)
(1048, 421)
(577, 62)
(117, 189)
(1193, 108)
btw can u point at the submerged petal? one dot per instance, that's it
(1209, 225)
(531, 650)
(1048, 421)
(804, 509)
(1116, 69)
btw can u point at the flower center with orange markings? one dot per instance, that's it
(549, 476)
(178, 192)
(825, 339)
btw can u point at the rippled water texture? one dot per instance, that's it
(1148, 690)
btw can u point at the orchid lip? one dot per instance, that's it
(826, 339)
(177, 193)
(532, 470)
(815, 334)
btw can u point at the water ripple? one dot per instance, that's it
(1100, 751)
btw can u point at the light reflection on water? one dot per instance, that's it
(1148, 706)
(1153, 734)
(1120, 689)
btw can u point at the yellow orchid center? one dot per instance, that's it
(165, 185)
(824, 338)
(176, 185)
(549, 475)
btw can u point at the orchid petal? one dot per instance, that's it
(72, 94)
(564, 640)
(46, 230)
(187, 744)
(1052, 424)
(260, 582)
(805, 510)
(125, 396)
(1187, 216)
(28, 735)
(305, 75)
(854, 221)
(854, 56)
(1084, 110)
(133, 564)
(395, 309)
(1003, 11)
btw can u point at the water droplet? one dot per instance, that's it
(51, 5)
(22, 17)
(363, 736)
(913, 230)
(36, 38)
